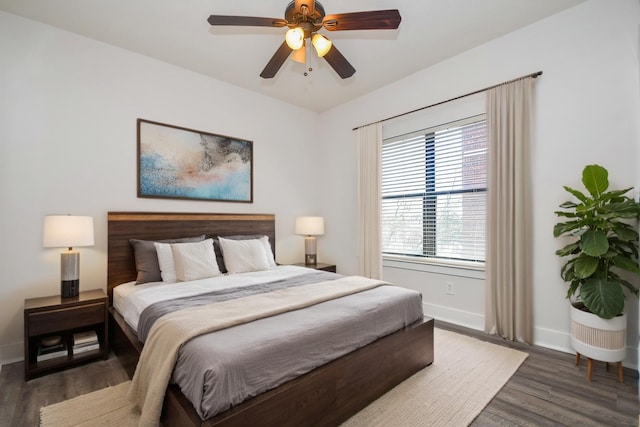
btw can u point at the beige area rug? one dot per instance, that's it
(465, 375)
(102, 408)
(462, 380)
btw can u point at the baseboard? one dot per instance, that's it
(457, 317)
(553, 339)
(548, 338)
(11, 353)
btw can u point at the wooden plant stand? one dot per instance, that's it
(590, 368)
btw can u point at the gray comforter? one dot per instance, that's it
(153, 312)
(218, 370)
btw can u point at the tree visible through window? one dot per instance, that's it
(434, 185)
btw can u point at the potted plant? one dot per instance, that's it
(603, 244)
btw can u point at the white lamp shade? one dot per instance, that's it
(322, 44)
(310, 225)
(66, 231)
(295, 38)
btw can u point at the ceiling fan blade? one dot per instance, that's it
(372, 20)
(339, 63)
(276, 61)
(247, 21)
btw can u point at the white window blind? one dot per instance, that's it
(434, 185)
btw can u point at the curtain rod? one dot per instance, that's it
(533, 75)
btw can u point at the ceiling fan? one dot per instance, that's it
(304, 18)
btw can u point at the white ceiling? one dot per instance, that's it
(177, 32)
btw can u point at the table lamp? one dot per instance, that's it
(67, 231)
(310, 226)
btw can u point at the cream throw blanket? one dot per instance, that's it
(171, 331)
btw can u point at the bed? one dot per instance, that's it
(327, 395)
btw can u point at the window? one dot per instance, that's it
(434, 185)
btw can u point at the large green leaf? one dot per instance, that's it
(630, 248)
(603, 298)
(595, 179)
(626, 264)
(615, 194)
(567, 227)
(571, 248)
(578, 194)
(625, 232)
(567, 272)
(594, 243)
(610, 253)
(624, 209)
(615, 278)
(585, 266)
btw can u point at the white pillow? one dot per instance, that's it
(195, 260)
(241, 256)
(268, 251)
(165, 261)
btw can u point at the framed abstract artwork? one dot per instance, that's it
(180, 163)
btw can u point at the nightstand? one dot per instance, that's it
(318, 266)
(56, 316)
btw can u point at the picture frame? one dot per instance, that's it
(179, 163)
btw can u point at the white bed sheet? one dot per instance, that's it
(131, 299)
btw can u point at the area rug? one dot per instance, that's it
(465, 375)
(462, 380)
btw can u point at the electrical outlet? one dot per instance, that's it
(449, 290)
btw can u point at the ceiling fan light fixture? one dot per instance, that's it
(300, 55)
(303, 19)
(322, 44)
(295, 38)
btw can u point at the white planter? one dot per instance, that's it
(598, 338)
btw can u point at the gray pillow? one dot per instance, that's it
(147, 258)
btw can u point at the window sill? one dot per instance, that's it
(451, 268)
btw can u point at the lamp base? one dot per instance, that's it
(310, 250)
(70, 273)
(69, 288)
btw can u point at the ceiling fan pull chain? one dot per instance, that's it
(307, 65)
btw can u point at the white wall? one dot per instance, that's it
(68, 110)
(587, 110)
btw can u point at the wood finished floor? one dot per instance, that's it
(550, 390)
(547, 390)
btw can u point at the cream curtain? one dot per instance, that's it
(369, 201)
(508, 309)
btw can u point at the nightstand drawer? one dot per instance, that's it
(45, 322)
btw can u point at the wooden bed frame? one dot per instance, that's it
(326, 396)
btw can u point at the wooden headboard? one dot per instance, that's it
(123, 226)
